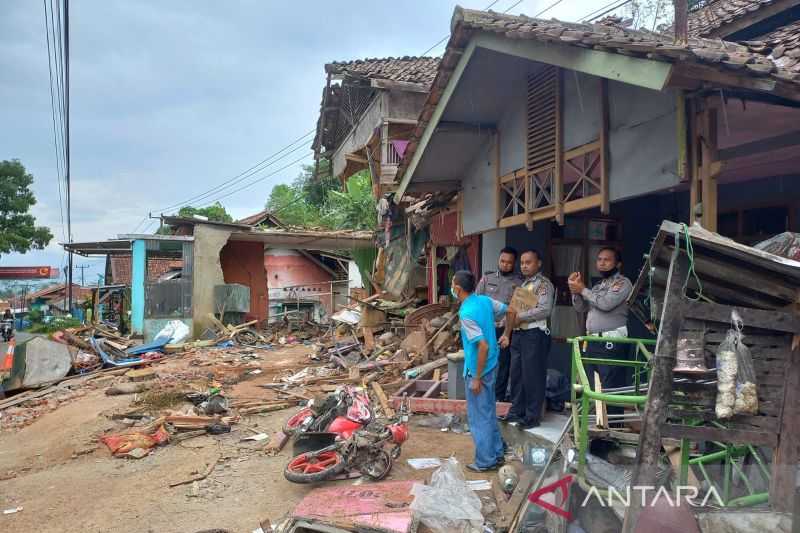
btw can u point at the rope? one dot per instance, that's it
(690, 255)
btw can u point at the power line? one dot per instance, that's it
(66, 146)
(53, 114)
(245, 174)
(597, 13)
(262, 178)
(548, 8)
(443, 39)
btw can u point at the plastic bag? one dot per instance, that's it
(736, 376)
(175, 330)
(727, 367)
(746, 391)
(447, 504)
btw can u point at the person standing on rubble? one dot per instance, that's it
(606, 303)
(478, 314)
(530, 346)
(500, 286)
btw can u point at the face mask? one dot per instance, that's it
(609, 273)
(453, 292)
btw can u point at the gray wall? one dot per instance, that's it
(479, 190)
(403, 104)
(491, 244)
(643, 140)
(582, 113)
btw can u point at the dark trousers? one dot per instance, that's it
(530, 349)
(503, 369)
(611, 376)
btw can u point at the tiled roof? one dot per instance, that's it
(616, 39)
(783, 46)
(121, 268)
(261, 217)
(718, 13)
(746, 60)
(405, 69)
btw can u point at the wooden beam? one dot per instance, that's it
(400, 86)
(786, 456)
(735, 436)
(558, 173)
(720, 78)
(694, 160)
(660, 388)
(757, 318)
(769, 144)
(625, 69)
(708, 155)
(605, 159)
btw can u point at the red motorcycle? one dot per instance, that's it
(342, 412)
(370, 450)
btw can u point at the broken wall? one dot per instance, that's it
(208, 243)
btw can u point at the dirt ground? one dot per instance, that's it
(66, 481)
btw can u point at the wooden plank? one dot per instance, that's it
(735, 436)
(771, 320)
(369, 338)
(786, 456)
(599, 406)
(660, 387)
(583, 149)
(708, 154)
(605, 159)
(384, 401)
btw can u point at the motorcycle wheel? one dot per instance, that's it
(396, 452)
(378, 467)
(290, 426)
(307, 468)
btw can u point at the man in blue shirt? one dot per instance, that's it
(478, 314)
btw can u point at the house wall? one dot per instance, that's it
(289, 268)
(491, 244)
(479, 189)
(243, 262)
(643, 140)
(404, 105)
(208, 242)
(582, 109)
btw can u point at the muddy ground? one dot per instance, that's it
(65, 481)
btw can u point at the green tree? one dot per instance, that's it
(18, 230)
(353, 208)
(214, 212)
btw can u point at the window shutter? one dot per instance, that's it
(541, 120)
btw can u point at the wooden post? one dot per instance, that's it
(694, 160)
(605, 208)
(558, 171)
(660, 390)
(709, 170)
(785, 458)
(681, 21)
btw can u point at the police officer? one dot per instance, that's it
(499, 286)
(530, 345)
(606, 303)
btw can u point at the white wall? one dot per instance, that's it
(582, 110)
(354, 276)
(480, 194)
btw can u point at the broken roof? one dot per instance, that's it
(403, 69)
(711, 19)
(720, 63)
(783, 46)
(262, 217)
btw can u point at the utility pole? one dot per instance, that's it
(66, 146)
(82, 267)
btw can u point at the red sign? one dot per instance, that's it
(35, 272)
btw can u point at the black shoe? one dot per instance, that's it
(528, 425)
(509, 419)
(500, 461)
(475, 468)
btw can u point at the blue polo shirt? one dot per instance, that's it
(478, 314)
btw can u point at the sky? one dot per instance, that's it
(170, 99)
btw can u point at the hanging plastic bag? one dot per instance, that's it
(727, 366)
(447, 504)
(746, 391)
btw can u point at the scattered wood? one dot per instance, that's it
(264, 408)
(199, 477)
(190, 422)
(276, 443)
(384, 401)
(424, 369)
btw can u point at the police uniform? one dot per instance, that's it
(530, 348)
(606, 303)
(500, 287)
